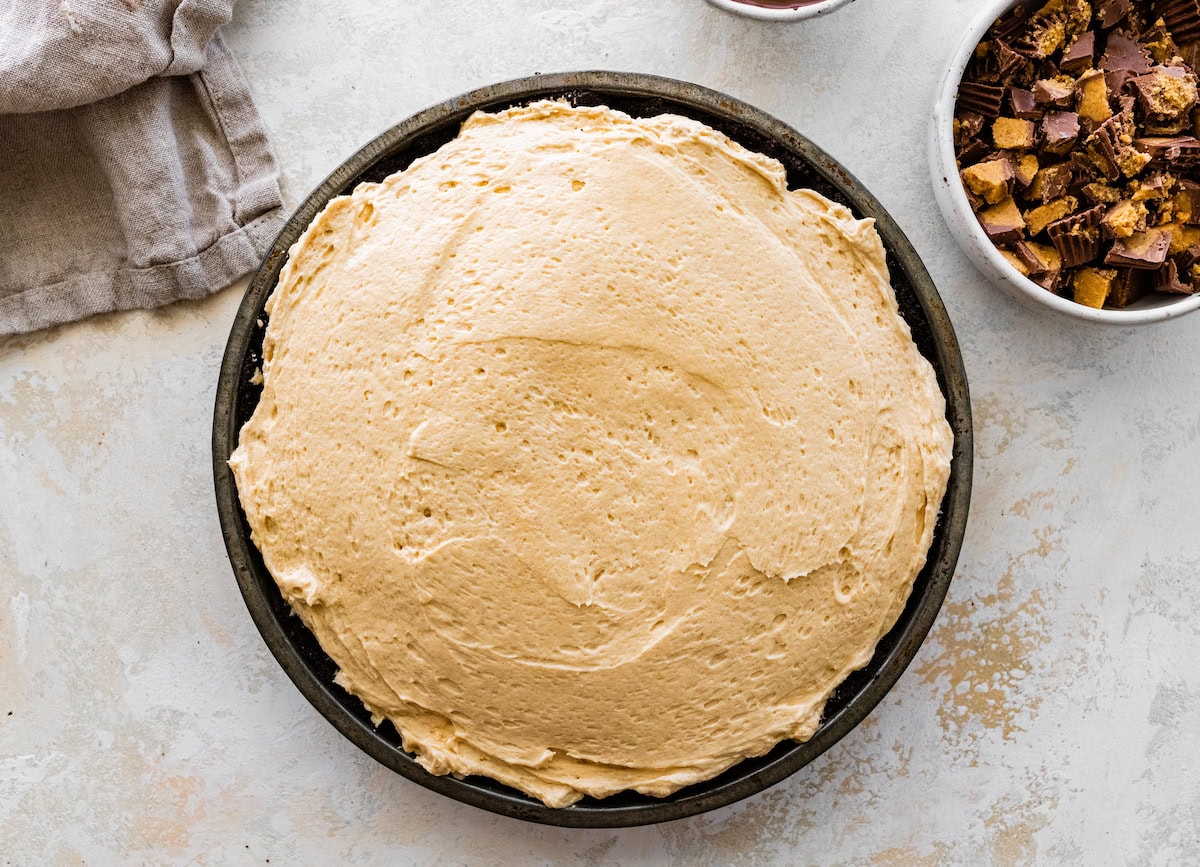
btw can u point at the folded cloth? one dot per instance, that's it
(134, 168)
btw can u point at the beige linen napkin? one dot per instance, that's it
(134, 168)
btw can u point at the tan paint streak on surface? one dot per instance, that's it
(989, 642)
(1043, 500)
(179, 807)
(992, 412)
(908, 856)
(219, 633)
(1013, 827)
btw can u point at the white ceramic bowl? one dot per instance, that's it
(779, 13)
(948, 189)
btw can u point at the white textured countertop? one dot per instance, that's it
(1053, 716)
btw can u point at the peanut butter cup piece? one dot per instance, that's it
(1014, 260)
(1038, 258)
(1002, 222)
(1060, 130)
(1176, 152)
(1110, 13)
(1129, 286)
(1080, 54)
(1124, 219)
(1092, 97)
(982, 99)
(1157, 40)
(1143, 250)
(1077, 238)
(1187, 202)
(1014, 134)
(991, 180)
(967, 125)
(1166, 91)
(1009, 63)
(1166, 280)
(1042, 216)
(1025, 169)
(1046, 34)
(1023, 103)
(1092, 285)
(1054, 92)
(1182, 17)
(1101, 194)
(1183, 236)
(1050, 183)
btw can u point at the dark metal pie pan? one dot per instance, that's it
(807, 166)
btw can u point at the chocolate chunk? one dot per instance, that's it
(967, 125)
(1060, 129)
(1166, 279)
(1079, 56)
(1182, 16)
(983, 99)
(1052, 92)
(1145, 250)
(1110, 12)
(1180, 152)
(1023, 104)
(1077, 238)
(1002, 222)
(1116, 79)
(1123, 53)
(974, 152)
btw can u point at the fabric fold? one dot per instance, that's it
(165, 190)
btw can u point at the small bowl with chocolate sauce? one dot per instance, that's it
(779, 10)
(1065, 152)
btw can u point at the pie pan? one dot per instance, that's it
(807, 166)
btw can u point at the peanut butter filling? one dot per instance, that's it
(593, 456)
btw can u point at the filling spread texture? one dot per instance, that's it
(593, 456)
